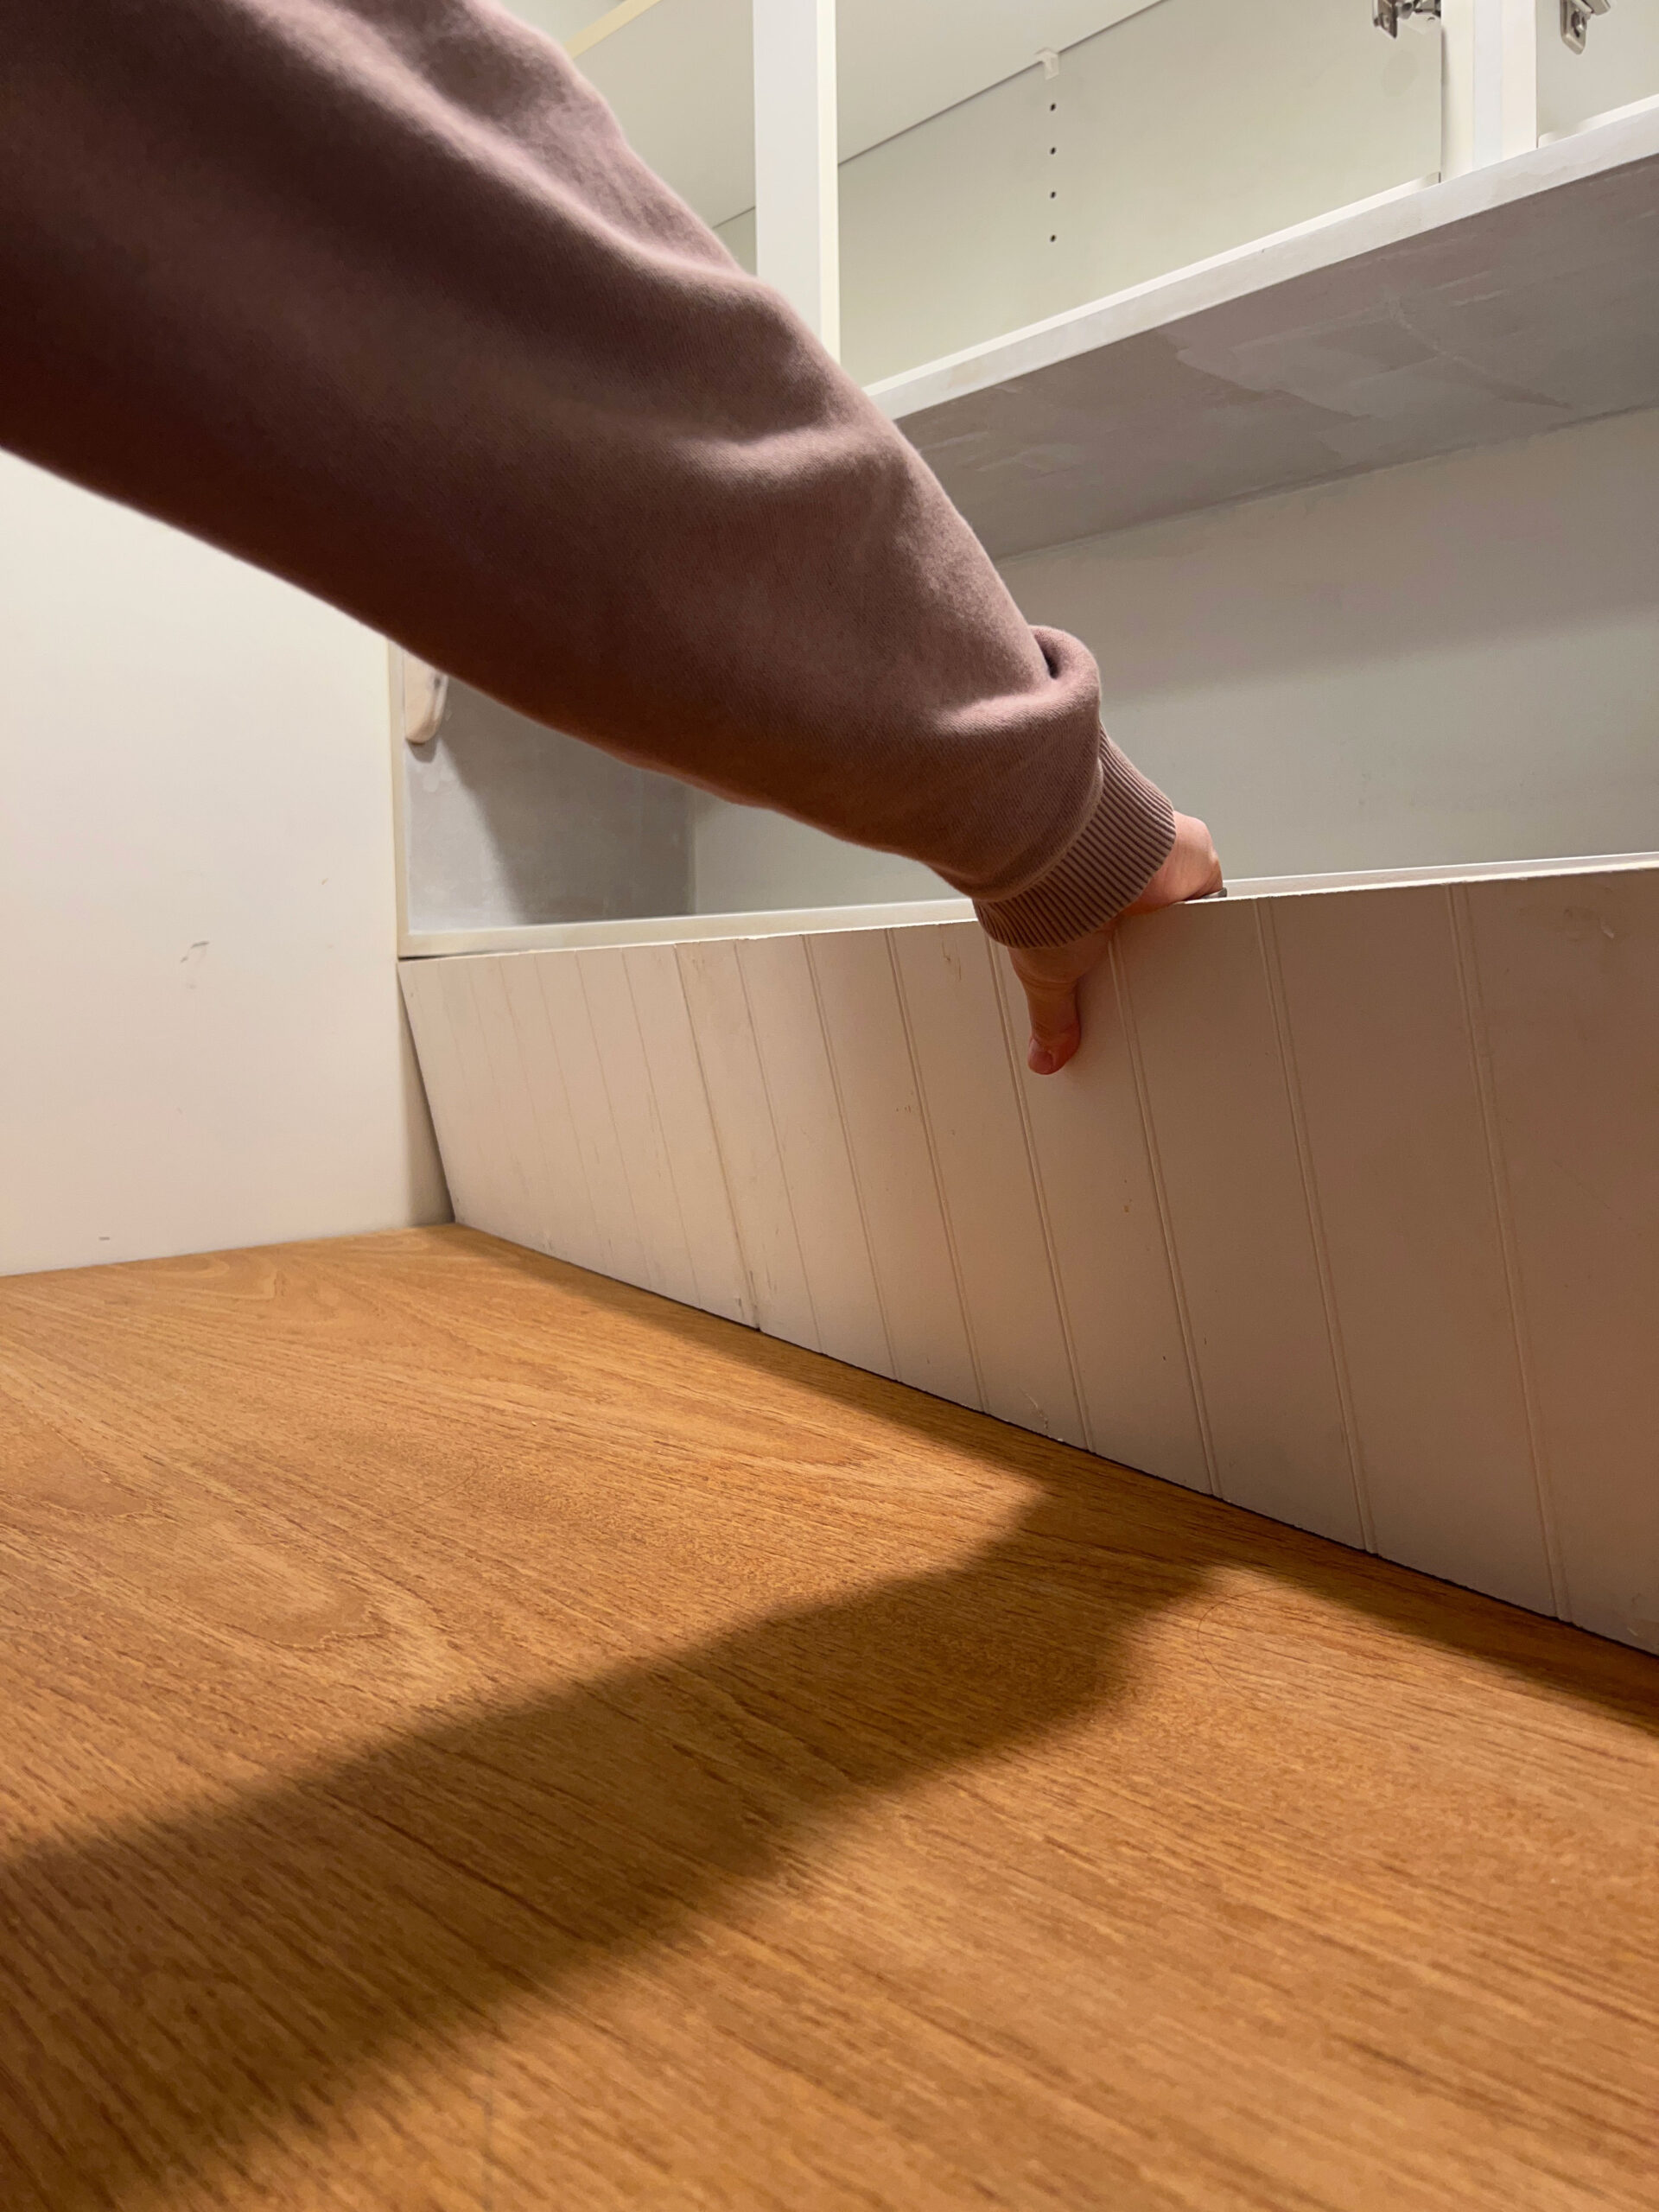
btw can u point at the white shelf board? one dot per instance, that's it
(1518, 298)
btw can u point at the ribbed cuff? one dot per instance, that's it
(1125, 839)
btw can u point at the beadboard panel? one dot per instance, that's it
(1093, 1158)
(570, 1226)
(763, 1217)
(955, 1019)
(426, 992)
(1242, 1235)
(1385, 1063)
(1348, 1209)
(598, 1150)
(721, 1282)
(638, 1126)
(805, 1112)
(892, 1160)
(1568, 979)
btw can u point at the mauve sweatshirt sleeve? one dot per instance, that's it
(373, 294)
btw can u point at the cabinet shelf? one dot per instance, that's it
(1519, 298)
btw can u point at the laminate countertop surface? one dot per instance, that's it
(475, 1736)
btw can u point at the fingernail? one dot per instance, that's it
(1040, 1059)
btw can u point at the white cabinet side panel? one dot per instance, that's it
(1095, 1172)
(633, 1115)
(573, 1229)
(459, 1142)
(1568, 998)
(887, 1136)
(1222, 1121)
(954, 1019)
(813, 1146)
(1385, 1065)
(590, 1113)
(723, 1284)
(749, 1144)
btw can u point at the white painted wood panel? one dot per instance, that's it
(1568, 1001)
(887, 1133)
(639, 1136)
(1385, 1062)
(1106, 1223)
(722, 1282)
(954, 1019)
(426, 992)
(499, 1197)
(1200, 1000)
(517, 1146)
(597, 1146)
(812, 1149)
(1349, 1208)
(748, 1143)
(572, 1227)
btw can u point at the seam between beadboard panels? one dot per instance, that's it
(778, 1151)
(1474, 1021)
(1125, 997)
(923, 1108)
(1039, 1196)
(661, 1128)
(1267, 932)
(852, 1157)
(732, 1215)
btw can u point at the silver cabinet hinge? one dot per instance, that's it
(1575, 21)
(1388, 15)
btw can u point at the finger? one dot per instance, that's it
(1055, 1030)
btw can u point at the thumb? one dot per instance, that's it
(1055, 1031)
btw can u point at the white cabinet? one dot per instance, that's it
(1349, 1211)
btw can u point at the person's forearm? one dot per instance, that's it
(371, 293)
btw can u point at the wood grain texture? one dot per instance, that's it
(480, 1736)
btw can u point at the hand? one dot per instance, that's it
(1051, 973)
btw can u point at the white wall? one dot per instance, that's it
(1458, 660)
(202, 1042)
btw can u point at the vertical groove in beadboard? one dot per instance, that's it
(925, 1113)
(1267, 938)
(778, 1151)
(1194, 1373)
(852, 1155)
(751, 1320)
(1497, 1166)
(1040, 1190)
